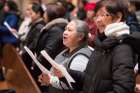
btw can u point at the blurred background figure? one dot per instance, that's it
(131, 19)
(135, 7)
(89, 7)
(11, 16)
(24, 27)
(1, 10)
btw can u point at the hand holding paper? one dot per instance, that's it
(10, 29)
(59, 67)
(41, 67)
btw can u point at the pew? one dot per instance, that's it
(16, 74)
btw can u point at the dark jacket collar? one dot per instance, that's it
(106, 43)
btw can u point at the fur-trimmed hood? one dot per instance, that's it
(58, 21)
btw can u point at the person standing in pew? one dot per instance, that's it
(50, 38)
(9, 14)
(11, 17)
(37, 23)
(111, 65)
(74, 58)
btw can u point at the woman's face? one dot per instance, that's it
(34, 15)
(6, 8)
(102, 19)
(90, 14)
(70, 35)
(28, 11)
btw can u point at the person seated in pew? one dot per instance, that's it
(74, 58)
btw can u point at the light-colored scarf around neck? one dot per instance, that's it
(117, 29)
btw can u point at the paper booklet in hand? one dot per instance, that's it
(10, 29)
(59, 67)
(41, 67)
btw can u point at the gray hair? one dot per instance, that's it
(82, 28)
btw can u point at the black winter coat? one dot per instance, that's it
(34, 33)
(132, 22)
(110, 68)
(49, 39)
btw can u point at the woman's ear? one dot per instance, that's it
(119, 17)
(81, 36)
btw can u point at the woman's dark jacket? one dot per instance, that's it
(34, 32)
(110, 68)
(132, 22)
(50, 39)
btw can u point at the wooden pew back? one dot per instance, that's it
(16, 74)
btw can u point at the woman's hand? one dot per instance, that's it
(14, 31)
(44, 79)
(57, 73)
(137, 88)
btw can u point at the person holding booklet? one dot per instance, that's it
(74, 58)
(11, 18)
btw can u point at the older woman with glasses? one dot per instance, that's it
(74, 59)
(111, 66)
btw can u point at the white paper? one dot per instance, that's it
(58, 66)
(10, 29)
(41, 67)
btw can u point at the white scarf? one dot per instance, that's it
(117, 29)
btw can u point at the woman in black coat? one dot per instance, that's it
(51, 36)
(111, 66)
(36, 25)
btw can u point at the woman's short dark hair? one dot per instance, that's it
(36, 7)
(55, 11)
(12, 5)
(113, 7)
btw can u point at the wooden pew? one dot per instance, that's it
(16, 74)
